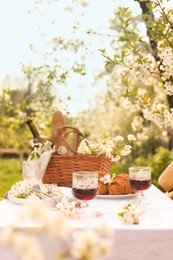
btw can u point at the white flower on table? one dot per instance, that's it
(21, 189)
(70, 209)
(87, 245)
(130, 214)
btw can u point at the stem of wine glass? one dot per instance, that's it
(140, 199)
(140, 196)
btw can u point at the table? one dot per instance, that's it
(151, 240)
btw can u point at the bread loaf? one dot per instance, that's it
(58, 128)
(57, 122)
(166, 178)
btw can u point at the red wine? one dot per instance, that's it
(84, 194)
(140, 185)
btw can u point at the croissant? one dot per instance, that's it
(103, 189)
(119, 186)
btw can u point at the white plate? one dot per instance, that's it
(116, 196)
(65, 191)
(19, 200)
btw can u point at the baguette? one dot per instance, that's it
(58, 128)
(57, 122)
(166, 178)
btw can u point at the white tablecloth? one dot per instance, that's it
(151, 239)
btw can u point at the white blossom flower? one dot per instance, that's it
(168, 88)
(127, 103)
(137, 123)
(118, 138)
(131, 137)
(130, 214)
(70, 209)
(83, 241)
(116, 158)
(108, 179)
(39, 148)
(62, 150)
(21, 189)
(113, 148)
(142, 91)
(126, 150)
(87, 245)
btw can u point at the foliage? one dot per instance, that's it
(41, 81)
(38, 92)
(16, 104)
(158, 162)
(10, 173)
(144, 75)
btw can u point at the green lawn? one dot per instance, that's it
(10, 172)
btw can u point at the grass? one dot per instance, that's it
(10, 172)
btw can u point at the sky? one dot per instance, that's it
(21, 24)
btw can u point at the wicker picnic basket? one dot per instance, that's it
(61, 167)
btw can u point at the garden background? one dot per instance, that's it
(107, 65)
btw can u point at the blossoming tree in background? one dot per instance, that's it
(138, 98)
(145, 62)
(138, 76)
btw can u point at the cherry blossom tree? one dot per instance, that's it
(145, 62)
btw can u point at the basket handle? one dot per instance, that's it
(63, 135)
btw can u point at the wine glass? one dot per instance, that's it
(85, 185)
(140, 180)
